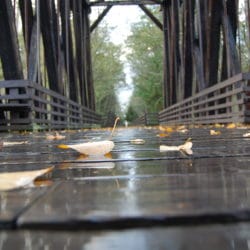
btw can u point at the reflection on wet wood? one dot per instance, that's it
(133, 186)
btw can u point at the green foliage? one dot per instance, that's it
(244, 40)
(146, 60)
(107, 70)
(131, 114)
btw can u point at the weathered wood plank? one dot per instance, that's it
(67, 46)
(187, 70)
(9, 49)
(229, 25)
(213, 43)
(50, 33)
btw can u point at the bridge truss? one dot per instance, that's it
(206, 43)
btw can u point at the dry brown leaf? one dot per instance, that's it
(186, 147)
(43, 183)
(137, 141)
(9, 181)
(213, 132)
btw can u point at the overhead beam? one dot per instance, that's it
(126, 2)
(100, 18)
(151, 16)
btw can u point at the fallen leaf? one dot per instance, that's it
(13, 143)
(166, 129)
(213, 132)
(162, 135)
(231, 125)
(181, 127)
(57, 136)
(91, 148)
(217, 125)
(9, 181)
(186, 147)
(246, 135)
(43, 183)
(95, 147)
(137, 141)
(183, 131)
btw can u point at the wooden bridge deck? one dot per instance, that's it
(140, 198)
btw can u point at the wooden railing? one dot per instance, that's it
(25, 105)
(225, 102)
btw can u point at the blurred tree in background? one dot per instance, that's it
(107, 70)
(146, 60)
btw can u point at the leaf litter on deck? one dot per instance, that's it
(14, 180)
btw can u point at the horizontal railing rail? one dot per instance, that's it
(27, 105)
(225, 102)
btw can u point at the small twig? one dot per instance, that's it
(116, 120)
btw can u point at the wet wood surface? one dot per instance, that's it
(134, 198)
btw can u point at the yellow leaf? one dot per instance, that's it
(63, 146)
(163, 135)
(217, 125)
(15, 180)
(231, 125)
(166, 129)
(213, 132)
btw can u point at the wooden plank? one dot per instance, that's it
(187, 71)
(50, 33)
(166, 45)
(229, 25)
(213, 44)
(198, 64)
(79, 43)
(200, 45)
(67, 46)
(88, 61)
(33, 60)
(27, 22)
(9, 49)
(15, 97)
(174, 56)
